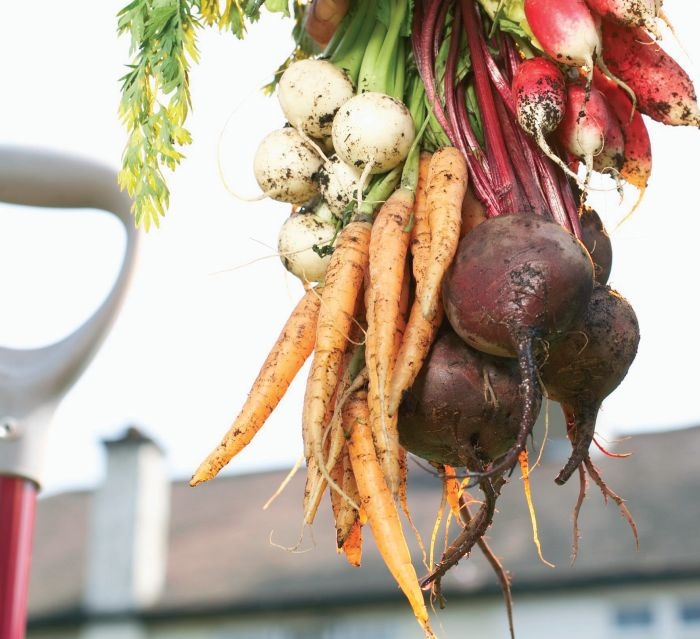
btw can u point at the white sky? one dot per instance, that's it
(209, 296)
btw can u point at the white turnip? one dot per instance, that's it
(310, 92)
(303, 245)
(373, 130)
(285, 166)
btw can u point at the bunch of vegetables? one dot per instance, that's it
(437, 160)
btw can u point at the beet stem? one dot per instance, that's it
(470, 534)
(582, 429)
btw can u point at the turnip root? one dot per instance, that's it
(463, 407)
(285, 165)
(310, 92)
(303, 243)
(516, 279)
(373, 130)
(585, 365)
(339, 183)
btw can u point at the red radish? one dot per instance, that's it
(587, 364)
(636, 167)
(632, 13)
(590, 131)
(515, 279)
(567, 31)
(663, 89)
(539, 93)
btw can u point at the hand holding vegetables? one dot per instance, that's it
(437, 158)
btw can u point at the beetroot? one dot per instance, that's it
(585, 365)
(597, 241)
(517, 279)
(463, 407)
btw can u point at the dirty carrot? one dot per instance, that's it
(344, 278)
(323, 17)
(447, 185)
(388, 249)
(420, 230)
(525, 470)
(289, 352)
(378, 503)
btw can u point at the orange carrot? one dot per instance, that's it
(447, 185)
(419, 336)
(293, 346)
(323, 17)
(420, 231)
(352, 546)
(473, 212)
(525, 470)
(420, 330)
(344, 277)
(344, 513)
(387, 267)
(382, 515)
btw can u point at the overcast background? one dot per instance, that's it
(209, 295)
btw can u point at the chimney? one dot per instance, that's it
(128, 529)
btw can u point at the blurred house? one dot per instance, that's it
(141, 557)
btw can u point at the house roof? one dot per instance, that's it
(226, 553)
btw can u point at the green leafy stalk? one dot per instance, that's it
(348, 52)
(155, 100)
(155, 91)
(383, 65)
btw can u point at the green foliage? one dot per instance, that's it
(155, 91)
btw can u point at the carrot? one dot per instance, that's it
(418, 338)
(525, 470)
(378, 503)
(352, 546)
(473, 212)
(323, 17)
(388, 249)
(420, 331)
(291, 349)
(420, 231)
(344, 514)
(344, 277)
(447, 185)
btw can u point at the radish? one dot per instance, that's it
(303, 244)
(590, 132)
(636, 168)
(566, 31)
(632, 13)
(583, 367)
(517, 279)
(310, 92)
(539, 92)
(663, 89)
(464, 407)
(339, 183)
(570, 33)
(285, 165)
(373, 132)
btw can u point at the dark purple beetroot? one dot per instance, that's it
(596, 239)
(517, 279)
(464, 406)
(585, 365)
